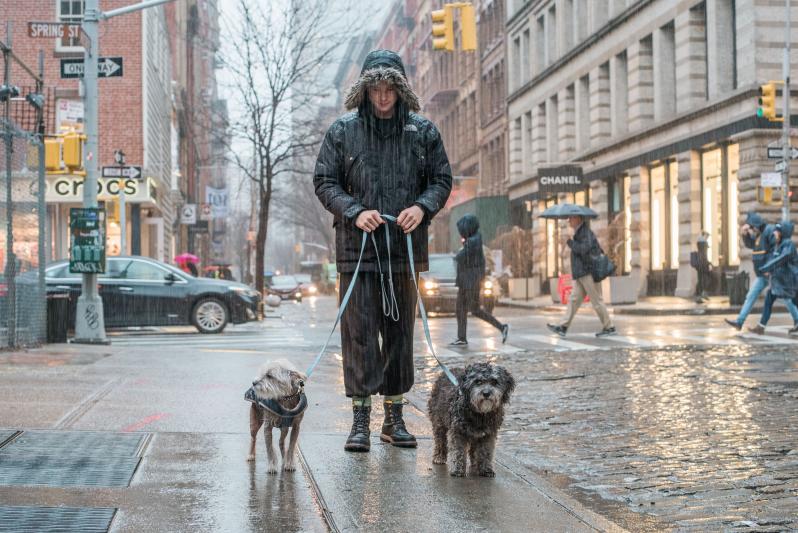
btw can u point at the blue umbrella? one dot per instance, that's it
(568, 210)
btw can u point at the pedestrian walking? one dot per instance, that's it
(584, 247)
(767, 311)
(783, 269)
(699, 260)
(470, 275)
(757, 236)
(381, 158)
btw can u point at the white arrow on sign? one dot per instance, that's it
(778, 153)
(107, 67)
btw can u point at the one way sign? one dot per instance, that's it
(107, 67)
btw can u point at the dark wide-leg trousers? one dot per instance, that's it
(468, 300)
(377, 351)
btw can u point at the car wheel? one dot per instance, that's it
(210, 316)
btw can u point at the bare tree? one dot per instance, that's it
(275, 50)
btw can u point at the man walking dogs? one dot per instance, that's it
(470, 273)
(381, 158)
(583, 246)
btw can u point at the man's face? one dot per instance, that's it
(574, 222)
(383, 97)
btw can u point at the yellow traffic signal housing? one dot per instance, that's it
(443, 28)
(767, 102)
(52, 155)
(112, 210)
(468, 27)
(73, 150)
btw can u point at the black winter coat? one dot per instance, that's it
(583, 245)
(471, 258)
(359, 168)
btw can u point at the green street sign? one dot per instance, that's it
(87, 228)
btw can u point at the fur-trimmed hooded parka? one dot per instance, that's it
(384, 164)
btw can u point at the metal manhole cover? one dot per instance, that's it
(20, 519)
(84, 443)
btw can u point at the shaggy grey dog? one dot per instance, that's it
(466, 419)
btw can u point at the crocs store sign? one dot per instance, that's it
(69, 189)
(564, 178)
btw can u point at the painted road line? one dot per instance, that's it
(625, 339)
(560, 343)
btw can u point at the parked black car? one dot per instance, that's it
(286, 287)
(139, 291)
(438, 291)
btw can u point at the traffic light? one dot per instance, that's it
(52, 155)
(468, 27)
(767, 102)
(73, 150)
(443, 28)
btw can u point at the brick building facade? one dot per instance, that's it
(141, 112)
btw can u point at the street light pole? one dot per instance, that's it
(785, 126)
(89, 323)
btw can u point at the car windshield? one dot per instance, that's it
(302, 278)
(284, 281)
(442, 266)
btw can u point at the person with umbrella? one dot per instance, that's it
(188, 263)
(584, 248)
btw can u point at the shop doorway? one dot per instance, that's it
(719, 210)
(664, 226)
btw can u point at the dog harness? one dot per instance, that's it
(389, 306)
(273, 406)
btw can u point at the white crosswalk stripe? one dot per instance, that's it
(559, 343)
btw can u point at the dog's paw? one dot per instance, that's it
(251, 458)
(272, 469)
(457, 473)
(289, 467)
(487, 472)
(439, 460)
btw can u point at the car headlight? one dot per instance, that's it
(298, 294)
(312, 289)
(430, 285)
(246, 291)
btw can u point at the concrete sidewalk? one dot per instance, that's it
(398, 490)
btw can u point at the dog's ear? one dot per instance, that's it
(509, 383)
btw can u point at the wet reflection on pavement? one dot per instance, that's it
(700, 437)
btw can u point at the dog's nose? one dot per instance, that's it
(486, 393)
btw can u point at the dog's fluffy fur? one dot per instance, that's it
(466, 419)
(276, 380)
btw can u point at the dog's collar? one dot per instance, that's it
(273, 406)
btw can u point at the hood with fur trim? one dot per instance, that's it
(382, 65)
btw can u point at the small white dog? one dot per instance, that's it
(278, 399)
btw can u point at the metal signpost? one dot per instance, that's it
(89, 324)
(785, 127)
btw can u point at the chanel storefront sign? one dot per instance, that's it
(565, 178)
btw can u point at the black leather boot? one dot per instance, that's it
(393, 428)
(358, 440)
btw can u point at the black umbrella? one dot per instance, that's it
(568, 210)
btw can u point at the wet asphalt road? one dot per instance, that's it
(678, 421)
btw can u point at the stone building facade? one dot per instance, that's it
(656, 101)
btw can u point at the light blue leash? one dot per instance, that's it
(389, 306)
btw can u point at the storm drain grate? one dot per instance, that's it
(19, 519)
(83, 443)
(70, 459)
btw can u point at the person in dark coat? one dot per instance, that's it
(758, 237)
(783, 270)
(584, 246)
(381, 158)
(703, 267)
(470, 273)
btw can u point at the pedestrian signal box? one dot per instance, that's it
(63, 154)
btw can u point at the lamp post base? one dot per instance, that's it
(89, 322)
